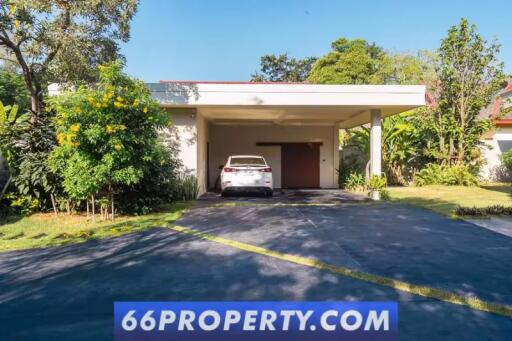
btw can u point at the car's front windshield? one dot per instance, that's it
(247, 161)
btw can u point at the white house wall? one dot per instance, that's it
(227, 140)
(183, 132)
(501, 142)
(202, 139)
(189, 135)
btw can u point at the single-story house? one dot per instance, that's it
(499, 140)
(293, 125)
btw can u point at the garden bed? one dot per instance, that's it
(44, 229)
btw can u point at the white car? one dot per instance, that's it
(246, 173)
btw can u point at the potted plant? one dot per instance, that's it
(376, 184)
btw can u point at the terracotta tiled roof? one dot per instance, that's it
(508, 88)
(494, 109)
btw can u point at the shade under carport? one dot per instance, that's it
(290, 104)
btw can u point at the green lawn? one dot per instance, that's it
(43, 229)
(444, 199)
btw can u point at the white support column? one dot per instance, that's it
(335, 155)
(375, 142)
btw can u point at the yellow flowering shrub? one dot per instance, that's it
(61, 137)
(105, 138)
(112, 128)
(75, 127)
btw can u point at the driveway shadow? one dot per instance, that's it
(396, 241)
(285, 196)
(68, 292)
(402, 242)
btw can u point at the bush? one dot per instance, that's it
(157, 188)
(14, 204)
(187, 188)
(377, 183)
(483, 211)
(355, 182)
(434, 174)
(347, 167)
(13, 90)
(385, 195)
(506, 160)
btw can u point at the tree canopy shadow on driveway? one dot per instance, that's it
(396, 241)
(68, 292)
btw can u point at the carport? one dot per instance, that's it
(293, 125)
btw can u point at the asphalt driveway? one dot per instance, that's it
(67, 292)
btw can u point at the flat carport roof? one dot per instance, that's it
(342, 106)
(288, 103)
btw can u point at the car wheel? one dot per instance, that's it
(270, 194)
(223, 194)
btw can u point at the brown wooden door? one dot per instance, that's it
(300, 165)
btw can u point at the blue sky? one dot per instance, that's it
(223, 39)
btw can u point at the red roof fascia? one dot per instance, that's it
(503, 122)
(226, 82)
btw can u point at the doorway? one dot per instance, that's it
(300, 165)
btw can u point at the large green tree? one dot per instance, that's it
(359, 62)
(62, 40)
(350, 62)
(282, 68)
(469, 75)
(406, 69)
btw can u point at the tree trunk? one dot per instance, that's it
(461, 153)
(112, 199)
(54, 205)
(36, 104)
(451, 151)
(87, 204)
(36, 98)
(33, 84)
(93, 210)
(442, 149)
